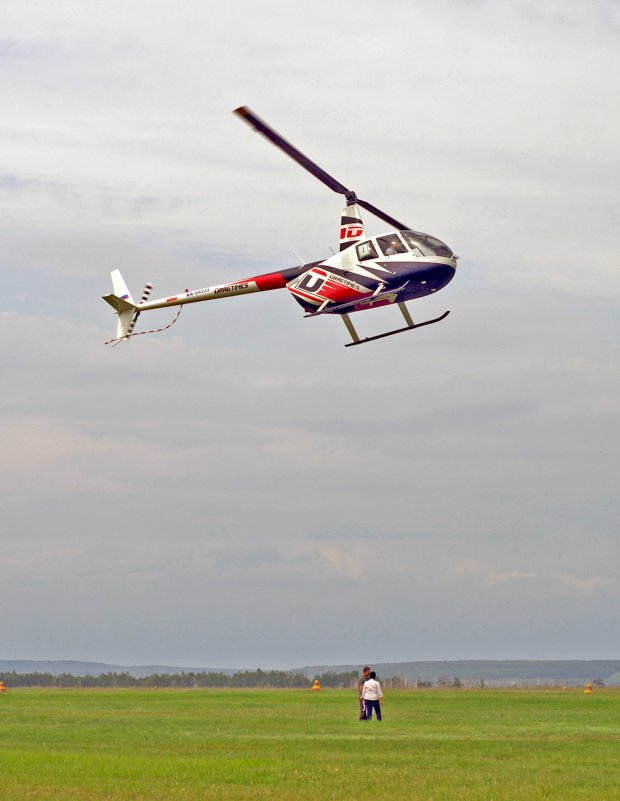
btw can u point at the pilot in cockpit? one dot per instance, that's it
(391, 246)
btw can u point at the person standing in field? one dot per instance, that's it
(372, 695)
(360, 686)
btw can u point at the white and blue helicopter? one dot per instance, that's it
(366, 273)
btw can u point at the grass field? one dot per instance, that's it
(489, 745)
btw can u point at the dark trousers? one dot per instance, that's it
(370, 705)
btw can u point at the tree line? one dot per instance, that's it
(245, 678)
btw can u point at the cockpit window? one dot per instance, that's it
(366, 250)
(429, 245)
(391, 245)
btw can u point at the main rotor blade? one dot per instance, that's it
(382, 215)
(279, 141)
(246, 114)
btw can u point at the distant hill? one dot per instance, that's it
(77, 668)
(500, 672)
(493, 673)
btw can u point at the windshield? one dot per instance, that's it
(425, 244)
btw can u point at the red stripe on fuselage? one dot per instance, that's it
(269, 281)
(311, 298)
(338, 292)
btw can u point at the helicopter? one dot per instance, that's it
(367, 272)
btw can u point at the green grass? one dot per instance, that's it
(294, 744)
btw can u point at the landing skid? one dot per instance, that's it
(409, 327)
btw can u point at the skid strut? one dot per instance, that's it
(351, 329)
(409, 327)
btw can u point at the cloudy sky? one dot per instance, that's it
(242, 490)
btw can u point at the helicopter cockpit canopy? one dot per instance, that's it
(421, 245)
(426, 244)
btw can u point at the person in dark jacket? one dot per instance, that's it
(360, 686)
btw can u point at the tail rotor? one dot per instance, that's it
(146, 292)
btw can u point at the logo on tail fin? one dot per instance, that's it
(351, 226)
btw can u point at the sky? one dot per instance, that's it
(241, 490)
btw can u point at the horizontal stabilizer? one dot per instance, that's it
(118, 304)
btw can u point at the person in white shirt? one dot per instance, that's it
(373, 696)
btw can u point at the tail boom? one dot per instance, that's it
(127, 310)
(258, 283)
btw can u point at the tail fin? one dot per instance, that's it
(351, 225)
(122, 303)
